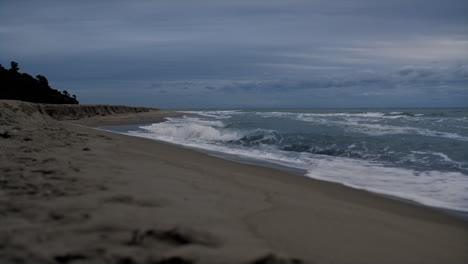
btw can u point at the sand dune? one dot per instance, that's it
(73, 194)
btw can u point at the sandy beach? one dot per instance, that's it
(70, 193)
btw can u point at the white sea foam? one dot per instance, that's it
(432, 188)
(379, 130)
(439, 154)
(190, 129)
(365, 123)
(312, 115)
(445, 158)
(221, 114)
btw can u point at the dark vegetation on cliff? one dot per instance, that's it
(22, 86)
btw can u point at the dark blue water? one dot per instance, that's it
(415, 154)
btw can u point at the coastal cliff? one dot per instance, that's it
(12, 109)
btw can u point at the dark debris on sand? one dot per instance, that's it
(175, 236)
(273, 259)
(5, 134)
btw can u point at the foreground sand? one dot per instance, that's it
(73, 194)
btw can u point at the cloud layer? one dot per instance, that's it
(245, 53)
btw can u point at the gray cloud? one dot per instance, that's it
(410, 71)
(134, 51)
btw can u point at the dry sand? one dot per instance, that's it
(74, 194)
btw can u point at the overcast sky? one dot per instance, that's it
(252, 53)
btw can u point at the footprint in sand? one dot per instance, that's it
(130, 200)
(176, 236)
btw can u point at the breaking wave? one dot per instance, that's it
(404, 154)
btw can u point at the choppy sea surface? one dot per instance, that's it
(414, 154)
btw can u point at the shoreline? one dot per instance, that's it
(463, 215)
(272, 166)
(74, 193)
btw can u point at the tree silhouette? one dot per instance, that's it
(22, 86)
(14, 66)
(65, 93)
(42, 80)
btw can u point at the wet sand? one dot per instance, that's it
(73, 194)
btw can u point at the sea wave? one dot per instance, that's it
(192, 129)
(379, 130)
(370, 159)
(362, 114)
(369, 123)
(434, 188)
(221, 114)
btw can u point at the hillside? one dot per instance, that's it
(22, 86)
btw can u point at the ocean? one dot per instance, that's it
(420, 155)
